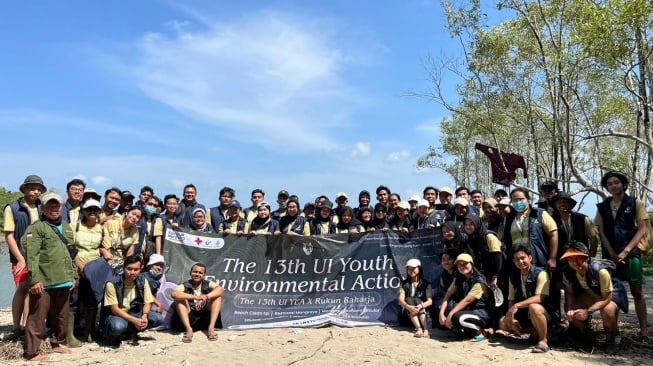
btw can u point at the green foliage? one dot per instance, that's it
(540, 83)
(5, 198)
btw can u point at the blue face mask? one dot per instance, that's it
(520, 206)
(150, 210)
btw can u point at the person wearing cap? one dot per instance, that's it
(89, 235)
(72, 206)
(153, 274)
(52, 274)
(126, 202)
(412, 201)
(589, 288)
(216, 215)
(198, 302)
(256, 197)
(127, 304)
(282, 200)
(363, 202)
(504, 206)
(90, 193)
(325, 222)
(18, 215)
(383, 194)
(293, 223)
(548, 191)
(415, 296)
(461, 210)
(188, 205)
(475, 311)
(308, 211)
(401, 220)
(112, 199)
(235, 223)
(423, 220)
(573, 225)
(463, 192)
(623, 222)
(121, 237)
(263, 223)
(446, 197)
(528, 307)
(341, 202)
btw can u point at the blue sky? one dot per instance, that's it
(304, 96)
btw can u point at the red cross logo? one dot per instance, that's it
(198, 241)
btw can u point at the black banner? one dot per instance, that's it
(303, 281)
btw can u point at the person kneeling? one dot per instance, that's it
(591, 288)
(198, 303)
(527, 300)
(127, 304)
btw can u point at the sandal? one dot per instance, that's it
(426, 334)
(418, 333)
(541, 348)
(478, 338)
(186, 339)
(212, 337)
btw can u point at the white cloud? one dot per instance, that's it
(100, 181)
(398, 156)
(361, 150)
(261, 79)
(430, 128)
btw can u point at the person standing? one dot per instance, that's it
(623, 221)
(72, 206)
(18, 215)
(52, 274)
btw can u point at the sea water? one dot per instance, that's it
(6, 282)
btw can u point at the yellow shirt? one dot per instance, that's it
(158, 227)
(640, 213)
(74, 214)
(88, 240)
(10, 223)
(519, 228)
(541, 286)
(605, 283)
(130, 294)
(117, 241)
(197, 290)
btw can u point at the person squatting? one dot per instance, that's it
(502, 244)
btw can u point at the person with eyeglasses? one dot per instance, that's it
(72, 206)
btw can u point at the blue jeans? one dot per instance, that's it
(115, 327)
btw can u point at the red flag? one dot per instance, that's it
(504, 165)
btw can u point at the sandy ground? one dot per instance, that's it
(339, 346)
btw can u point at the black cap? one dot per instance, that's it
(125, 194)
(283, 193)
(548, 184)
(567, 196)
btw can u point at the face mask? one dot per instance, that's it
(150, 210)
(156, 276)
(519, 206)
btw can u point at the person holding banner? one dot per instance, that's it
(292, 223)
(198, 221)
(415, 295)
(198, 303)
(234, 223)
(263, 224)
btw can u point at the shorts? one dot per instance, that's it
(20, 277)
(524, 318)
(634, 272)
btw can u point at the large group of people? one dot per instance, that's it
(63, 250)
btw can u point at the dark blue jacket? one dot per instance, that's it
(536, 236)
(22, 220)
(621, 230)
(619, 295)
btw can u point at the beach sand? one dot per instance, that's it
(340, 346)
